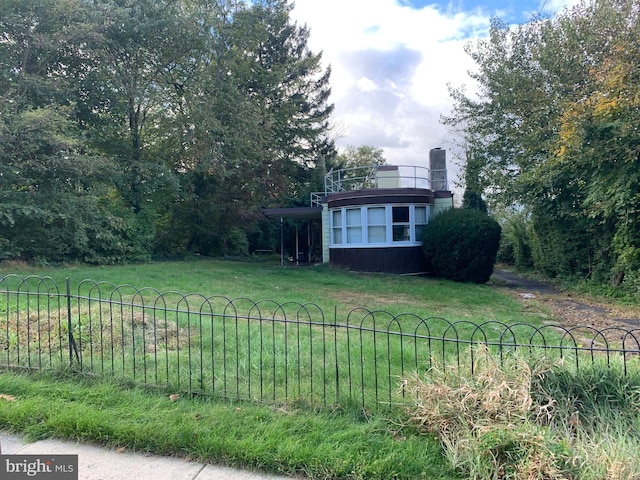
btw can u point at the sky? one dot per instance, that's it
(392, 60)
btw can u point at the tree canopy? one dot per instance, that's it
(554, 131)
(138, 128)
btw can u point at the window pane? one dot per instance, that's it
(354, 234)
(419, 230)
(336, 231)
(377, 234)
(337, 218)
(421, 215)
(353, 217)
(401, 233)
(400, 214)
(376, 216)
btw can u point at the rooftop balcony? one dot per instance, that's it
(380, 177)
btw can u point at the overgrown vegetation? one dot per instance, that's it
(552, 132)
(523, 248)
(140, 128)
(529, 419)
(521, 419)
(461, 245)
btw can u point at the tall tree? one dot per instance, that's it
(255, 123)
(140, 55)
(56, 198)
(554, 126)
(175, 119)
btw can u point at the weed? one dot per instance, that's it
(529, 419)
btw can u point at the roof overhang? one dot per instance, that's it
(294, 213)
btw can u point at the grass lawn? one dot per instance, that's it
(287, 441)
(321, 285)
(340, 444)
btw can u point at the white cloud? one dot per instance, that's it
(365, 84)
(390, 67)
(391, 64)
(555, 6)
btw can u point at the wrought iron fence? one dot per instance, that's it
(262, 350)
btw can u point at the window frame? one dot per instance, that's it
(369, 225)
(365, 225)
(336, 229)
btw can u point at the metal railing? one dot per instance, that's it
(316, 199)
(378, 176)
(374, 176)
(263, 350)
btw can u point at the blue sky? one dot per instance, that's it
(512, 11)
(392, 62)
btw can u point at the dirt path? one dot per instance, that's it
(563, 307)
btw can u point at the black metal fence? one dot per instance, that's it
(262, 350)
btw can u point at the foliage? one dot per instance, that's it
(57, 198)
(474, 201)
(516, 241)
(461, 245)
(255, 116)
(553, 129)
(132, 128)
(472, 197)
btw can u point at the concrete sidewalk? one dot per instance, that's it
(96, 463)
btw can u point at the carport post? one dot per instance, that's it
(297, 246)
(282, 241)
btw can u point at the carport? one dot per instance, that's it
(308, 214)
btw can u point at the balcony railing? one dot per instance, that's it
(380, 176)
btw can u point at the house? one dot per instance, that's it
(371, 218)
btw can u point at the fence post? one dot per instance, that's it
(335, 351)
(71, 340)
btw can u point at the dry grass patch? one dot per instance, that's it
(527, 418)
(487, 421)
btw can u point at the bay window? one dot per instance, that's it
(378, 225)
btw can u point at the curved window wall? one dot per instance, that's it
(378, 225)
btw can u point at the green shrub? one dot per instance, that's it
(461, 245)
(515, 243)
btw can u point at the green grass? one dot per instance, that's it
(267, 360)
(346, 442)
(291, 440)
(328, 288)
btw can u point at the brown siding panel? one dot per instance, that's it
(388, 260)
(380, 197)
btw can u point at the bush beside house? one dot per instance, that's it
(461, 245)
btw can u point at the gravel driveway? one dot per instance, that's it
(566, 308)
